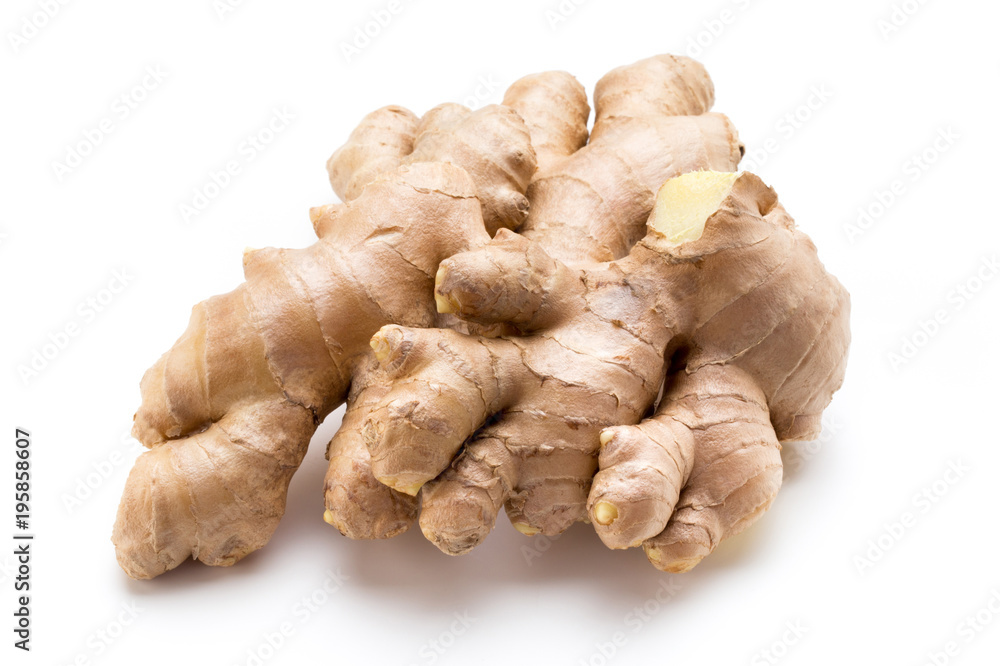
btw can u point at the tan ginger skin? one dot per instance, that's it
(589, 203)
(605, 308)
(755, 328)
(756, 332)
(229, 411)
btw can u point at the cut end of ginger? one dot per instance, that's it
(526, 529)
(684, 204)
(443, 303)
(605, 513)
(380, 345)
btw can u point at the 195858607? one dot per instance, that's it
(22, 479)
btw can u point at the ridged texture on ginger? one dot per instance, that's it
(733, 477)
(652, 123)
(393, 136)
(555, 110)
(229, 411)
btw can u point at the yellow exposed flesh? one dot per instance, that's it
(685, 203)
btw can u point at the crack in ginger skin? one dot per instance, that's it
(229, 411)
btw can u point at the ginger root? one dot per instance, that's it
(629, 348)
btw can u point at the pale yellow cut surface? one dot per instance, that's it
(685, 203)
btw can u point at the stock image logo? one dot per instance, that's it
(248, 150)
(84, 315)
(922, 503)
(122, 107)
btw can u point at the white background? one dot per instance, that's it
(891, 433)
